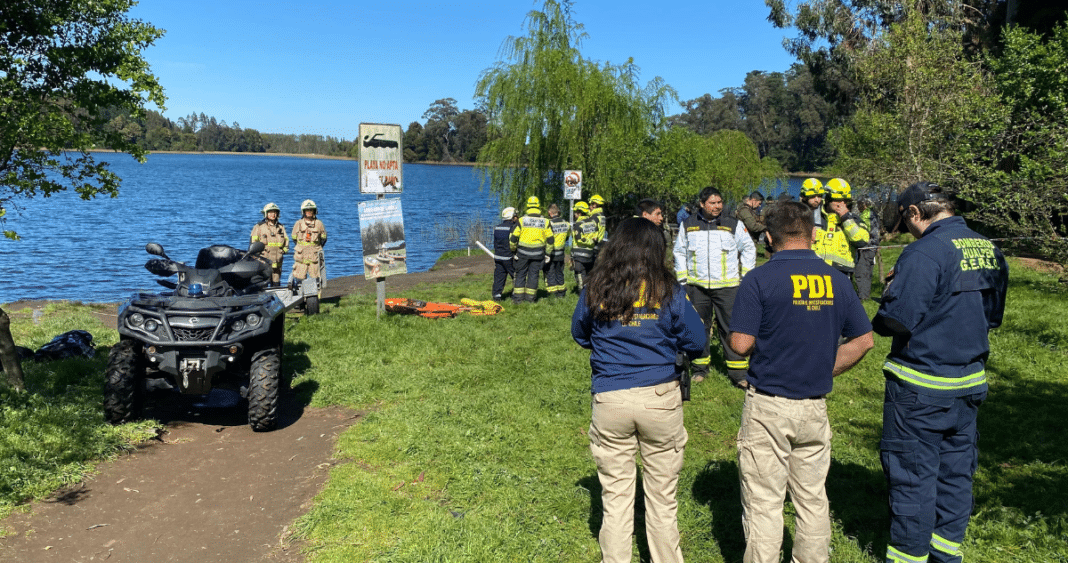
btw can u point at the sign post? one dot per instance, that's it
(572, 188)
(381, 173)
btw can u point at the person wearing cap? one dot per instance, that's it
(790, 314)
(712, 253)
(532, 241)
(554, 268)
(749, 213)
(944, 294)
(309, 234)
(865, 262)
(272, 234)
(503, 257)
(838, 230)
(585, 233)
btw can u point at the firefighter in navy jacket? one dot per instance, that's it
(946, 291)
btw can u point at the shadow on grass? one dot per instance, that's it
(1020, 424)
(592, 484)
(716, 487)
(858, 500)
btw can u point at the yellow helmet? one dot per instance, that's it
(597, 199)
(308, 204)
(839, 190)
(582, 207)
(811, 188)
(270, 207)
(533, 201)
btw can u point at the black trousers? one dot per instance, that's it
(716, 304)
(582, 272)
(526, 278)
(502, 270)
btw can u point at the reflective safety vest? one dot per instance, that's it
(532, 237)
(585, 234)
(561, 232)
(836, 237)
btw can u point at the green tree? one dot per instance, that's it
(1015, 168)
(551, 110)
(62, 63)
(921, 96)
(439, 129)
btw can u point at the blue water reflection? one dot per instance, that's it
(94, 250)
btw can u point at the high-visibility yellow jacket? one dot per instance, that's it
(561, 232)
(532, 237)
(585, 234)
(836, 238)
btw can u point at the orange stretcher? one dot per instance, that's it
(432, 310)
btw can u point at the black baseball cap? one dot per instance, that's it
(919, 193)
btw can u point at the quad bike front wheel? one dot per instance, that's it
(124, 382)
(264, 389)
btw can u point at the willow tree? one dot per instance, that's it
(551, 110)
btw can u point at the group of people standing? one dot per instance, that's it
(525, 245)
(308, 233)
(788, 328)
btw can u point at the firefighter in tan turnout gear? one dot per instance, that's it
(309, 234)
(273, 234)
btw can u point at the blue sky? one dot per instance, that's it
(323, 67)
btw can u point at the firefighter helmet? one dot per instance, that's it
(270, 207)
(839, 190)
(597, 200)
(308, 204)
(811, 188)
(508, 213)
(582, 207)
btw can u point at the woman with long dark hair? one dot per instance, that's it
(635, 318)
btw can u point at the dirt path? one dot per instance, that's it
(209, 489)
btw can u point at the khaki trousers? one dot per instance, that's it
(649, 420)
(784, 444)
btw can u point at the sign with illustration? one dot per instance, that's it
(381, 159)
(382, 231)
(572, 184)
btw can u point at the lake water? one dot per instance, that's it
(93, 251)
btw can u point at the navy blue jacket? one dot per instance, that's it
(501, 250)
(642, 353)
(947, 291)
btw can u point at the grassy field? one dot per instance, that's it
(474, 448)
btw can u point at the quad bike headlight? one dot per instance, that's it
(239, 325)
(253, 319)
(136, 319)
(151, 325)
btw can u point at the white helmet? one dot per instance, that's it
(270, 207)
(308, 204)
(508, 213)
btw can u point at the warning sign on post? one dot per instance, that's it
(381, 159)
(572, 184)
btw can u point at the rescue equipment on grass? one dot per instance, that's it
(431, 310)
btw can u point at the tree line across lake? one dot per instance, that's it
(781, 112)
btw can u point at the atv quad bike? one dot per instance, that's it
(217, 327)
